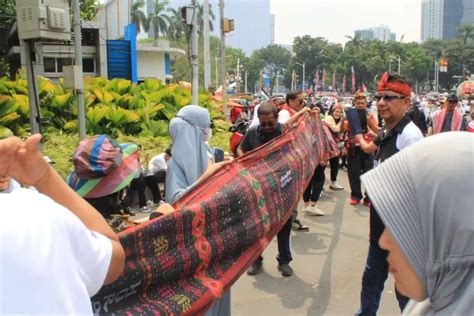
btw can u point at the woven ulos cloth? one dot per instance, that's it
(182, 262)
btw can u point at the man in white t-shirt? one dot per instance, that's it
(56, 250)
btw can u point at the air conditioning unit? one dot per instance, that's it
(43, 20)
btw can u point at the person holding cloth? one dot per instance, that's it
(192, 162)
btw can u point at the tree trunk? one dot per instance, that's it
(272, 84)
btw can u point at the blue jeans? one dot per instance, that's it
(375, 274)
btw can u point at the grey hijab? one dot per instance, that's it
(190, 154)
(425, 196)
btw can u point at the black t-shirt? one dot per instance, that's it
(255, 138)
(387, 143)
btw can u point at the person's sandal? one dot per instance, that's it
(296, 225)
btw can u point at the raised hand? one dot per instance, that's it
(22, 160)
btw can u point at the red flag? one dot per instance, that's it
(344, 85)
(317, 81)
(353, 79)
(324, 79)
(334, 80)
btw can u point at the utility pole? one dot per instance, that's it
(238, 76)
(33, 97)
(246, 77)
(194, 56)
(78, 62)
(222, 51)
(217, 71)
(304, 71)
(399, 64)
(277, 82)
(207, 49)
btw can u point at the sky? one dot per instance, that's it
(333, 19)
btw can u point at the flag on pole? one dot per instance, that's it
(324, 79)
(334, 80)
(363, 88)
(344, 84)
(317, 81)
(353, 79)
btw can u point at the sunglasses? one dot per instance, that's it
(265, 124)
(388, 98)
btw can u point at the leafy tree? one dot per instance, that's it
(158, 20)
(88, 9)
(275, 60)
(466, 33)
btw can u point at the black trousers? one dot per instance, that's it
(313, 191)
(284, 248)
(334, 163)
(358, 162)
(140, 184)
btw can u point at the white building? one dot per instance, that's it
(440, 19)
(152, 61)
(381, 33)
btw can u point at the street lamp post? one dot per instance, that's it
(390, 64)
(304, 70)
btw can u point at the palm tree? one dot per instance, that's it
(176, 28)
(466, 33)
(355, 41)
(158, 20)
(137, 16)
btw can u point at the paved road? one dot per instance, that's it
(328, 262)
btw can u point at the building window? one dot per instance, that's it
(63, 62)
(49, 64)
(88, 65)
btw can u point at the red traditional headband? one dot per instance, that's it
(397, 87)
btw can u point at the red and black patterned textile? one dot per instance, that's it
(181, 263)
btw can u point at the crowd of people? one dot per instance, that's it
(421, 228)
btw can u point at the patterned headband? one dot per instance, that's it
(397, 87)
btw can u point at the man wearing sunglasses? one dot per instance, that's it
(268, 129)
(393, 101)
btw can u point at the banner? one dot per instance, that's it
(334, 80)
(183, 262)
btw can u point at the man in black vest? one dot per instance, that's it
(399, 132)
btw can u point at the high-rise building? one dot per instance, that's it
(440, 19)
(254, 24)
(468, 16)
(381, 33)
(452, 15)
(431, 19)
